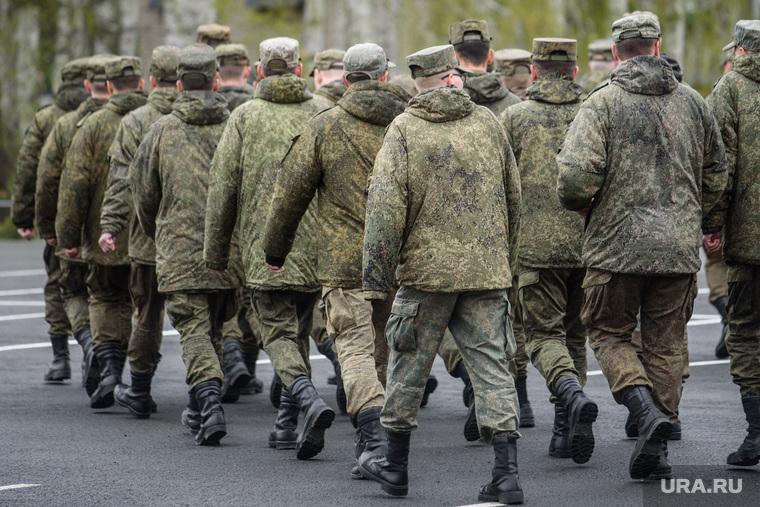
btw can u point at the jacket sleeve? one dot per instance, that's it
(722, 103)
(48, 183)
(24, 186)
(386, 216)
(145, 181)
(506, 121)
(74, 195)
(117, 203)
(514, 203)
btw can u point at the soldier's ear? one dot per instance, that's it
(575, 72)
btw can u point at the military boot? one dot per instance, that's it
(527, 420)
(327, 349)
(748, 453)
(373, 434)
(430, 386)
(581, 414)
(111, 360)
(505, 485)
(60, 368)
(318, 416)
(90, 365)
(460, 372)
(662, 470)
(471, 431)
(632, 430)
(653, 427)
(559, 446)
(358, 450)
(722, 306)
(275, 388)
(254, 386)
(284, 435)
(136, 398)
(235, 371)
(389, 470)
(213, 426)
(191, 416)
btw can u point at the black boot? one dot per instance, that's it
(430, 386)
(527, 420)
(471, 431)
(254, 386)
(191, 416)
(318, 416)
(662, 470)
(90, 365)
(390, 470)
(505, 485)
(236, 373)
(581, 414)
(213, 426)
(284, 435)
(275, 389)
(722, 306)
(653, 427)
(136, 398)
(748, 453)
(559, 446)
(60, 369)
(327, 349)
(111, 360)
(373, 434)
(632, 430)
(460, 372)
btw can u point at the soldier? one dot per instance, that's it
(243, 175)
(73, 271)
(333, 156)
(406, 82)
(514, 67)
(473, 47)
(170, 179)
(234, 68)
(549, 251)
(117, 216)
(643, 189)
(213, 34)
(70, 94)
(734, 101)
(600, 64)
(77, 224)
(452, 156)
(328, 76)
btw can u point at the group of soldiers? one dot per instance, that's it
(393, 220)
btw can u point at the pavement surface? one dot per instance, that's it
(55, 450)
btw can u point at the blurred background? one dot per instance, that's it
(38, 36)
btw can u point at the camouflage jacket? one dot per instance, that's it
(116, 214)
(648, 151)
(68, 98)
(550, 235)
(735, 101)
(331, 93)
(592, 79)
(236, 95)
(84, 179)
(243, 175)
(170, 179)
(486, 89)
(334, 155)
(444, 201)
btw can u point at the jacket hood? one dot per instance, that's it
(70, 95)
(246, 90)
(287, 89)
(200, 107)
(333, 90)
(91, 105)
(555, 88)
(374, 102)
(485, 87)
(441, 105)
(748, 66)
(163, 99)
(124, 102)
(645, 75)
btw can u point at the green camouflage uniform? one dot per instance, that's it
(486, 89)
(514, 67)
(329, 59)
(598, 50)
(648, 151)
(236, 95)
(592, 79)
(330, 93)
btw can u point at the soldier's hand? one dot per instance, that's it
(72, 253)
(51, 241)
(107, 242)
(26, 233)
(275, 269)
(711, 242)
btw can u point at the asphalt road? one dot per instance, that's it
(55, 450)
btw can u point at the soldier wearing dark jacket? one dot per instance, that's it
(328, 76)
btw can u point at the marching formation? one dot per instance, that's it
(486, 207)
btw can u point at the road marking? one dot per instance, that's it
(22, 316)
(22, 272)
(22, 303)
(704, 291)
(696, 363)
(18, 486)
(21, 292)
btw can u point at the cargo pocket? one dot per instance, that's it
(596, 277)
(739, 273)
(528, 277)
(399, 332)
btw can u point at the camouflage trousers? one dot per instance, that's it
(73, 287)
(381, 312)
(319, 323)
(285, 317)
(145, 343)
(244, 326)
(479, 323)
(349, 326)
(743, 340)
(518, 365)
(110, 305)
(715, 270)
(55, 313)
(611, 302)
(198, 318)
(551, 301)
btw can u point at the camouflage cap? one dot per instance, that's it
(328, 59)
(197, 63)
(636, 26)
(434, 60)
(213, 34)
(647, 13)
(471, 29)
(163, 63)
(122, 66)
(96, 66)
(746, 35)
(368, 59)
(601, 49)
(551, 49)
(232, 54)
(75, 70)
(512, 61)
(279, 53)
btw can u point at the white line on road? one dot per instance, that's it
(696, 363)
(22, 316)
(22, 272)
(22, 303)
(18, 486)
(21, 292)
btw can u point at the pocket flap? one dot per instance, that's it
(739, 273)
(405, 308)
(528, 277)
(596, 277)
